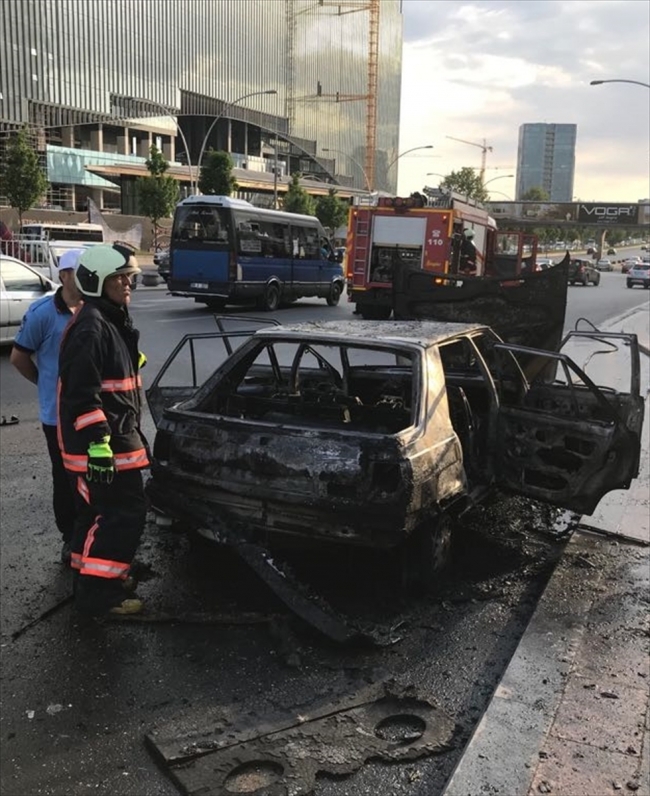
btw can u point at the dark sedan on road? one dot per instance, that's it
(583, 272)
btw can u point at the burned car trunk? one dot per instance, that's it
(316, 438)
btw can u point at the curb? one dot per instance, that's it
(503, 752)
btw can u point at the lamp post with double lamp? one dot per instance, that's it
(500, 177)
(401, 155)
(220, 116)
(509, 198)
(356, 163)
(636, 82)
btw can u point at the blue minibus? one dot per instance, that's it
(227, 251)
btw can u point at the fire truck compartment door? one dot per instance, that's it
(398, 231)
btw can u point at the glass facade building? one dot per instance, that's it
(93, 74)
(546, 159)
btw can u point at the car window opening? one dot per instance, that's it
(319, 386)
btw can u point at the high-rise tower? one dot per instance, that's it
(546, 160)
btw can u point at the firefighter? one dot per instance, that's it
(101, 442)
(468, 253)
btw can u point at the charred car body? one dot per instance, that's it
(377, 433)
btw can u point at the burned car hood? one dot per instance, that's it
(527, 310)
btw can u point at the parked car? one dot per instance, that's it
(543, 263)
(583, 272)
(604, 265)
(20, 287)
(630, 263)
(161, 259)
(591, 250)
(377, 434)
(611, 251)
(639, 275)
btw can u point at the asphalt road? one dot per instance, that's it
(78, 700)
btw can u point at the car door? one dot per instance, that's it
(569, 442)
(22, 286)
(195, 359)
(5, 335)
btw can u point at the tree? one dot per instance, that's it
(158, 194)
(216, 175)
(331, 211)
(23, 180)
(467, 182)
(297, 200)
(536, 194)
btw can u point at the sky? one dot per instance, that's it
(478, 69)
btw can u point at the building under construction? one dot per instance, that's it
(290, 85)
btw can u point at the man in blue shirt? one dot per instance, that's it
(36, 356)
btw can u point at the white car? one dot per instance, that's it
(604, 265)
(20, 287)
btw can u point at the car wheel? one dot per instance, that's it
(270, 301)
(629, 284)
(585, 281)
(425, 556)
(597, 280)
(335, 294)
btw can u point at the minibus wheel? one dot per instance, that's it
(334, 295)
(270, 301)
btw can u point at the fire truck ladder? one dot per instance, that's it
(361, 247)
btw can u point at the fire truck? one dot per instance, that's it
(432, 231)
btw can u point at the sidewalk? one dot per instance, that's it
(571, 715)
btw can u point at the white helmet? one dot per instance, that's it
(97, 263)
(469, 233)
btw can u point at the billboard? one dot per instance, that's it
(596, 214)
(606, 213)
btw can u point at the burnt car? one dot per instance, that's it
(379, 433)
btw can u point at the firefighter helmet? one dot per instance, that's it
(469, 233)
(97, 263)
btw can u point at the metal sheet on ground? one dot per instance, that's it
(281, 755)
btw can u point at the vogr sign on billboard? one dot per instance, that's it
(604, 213)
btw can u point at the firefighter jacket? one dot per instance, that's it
(99, 387)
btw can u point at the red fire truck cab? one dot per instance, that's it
(441, 233)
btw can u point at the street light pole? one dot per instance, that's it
(636, 82)
(509, 198)
(168, 112)
(356, 163)
(216, 119)
(401, 155)
(500, 177)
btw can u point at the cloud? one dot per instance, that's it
(478, 70)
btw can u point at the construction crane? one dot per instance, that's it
(370, 97)
(484, 150)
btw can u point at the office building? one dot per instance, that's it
(98, 81)
(546, 159)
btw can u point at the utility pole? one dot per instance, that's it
(484, 150)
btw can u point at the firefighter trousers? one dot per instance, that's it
(110, 521)
(63, 497)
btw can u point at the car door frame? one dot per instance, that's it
(571, 462)
(161, 398)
